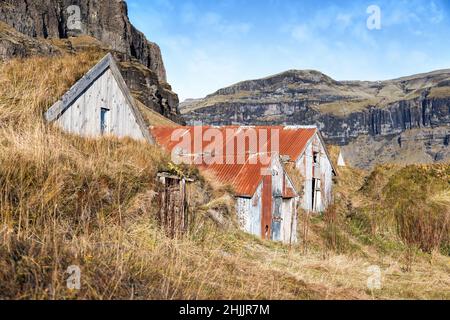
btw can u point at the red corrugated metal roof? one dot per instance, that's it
(289, 193)
(245, 175)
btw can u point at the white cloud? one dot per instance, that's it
(219, 24)
(208, 49)
(344, 20)
(211, 21)
(205, 71)
(436, 13)
(301, 33)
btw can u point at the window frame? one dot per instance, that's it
(104, 120)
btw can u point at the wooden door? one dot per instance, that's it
(277, 218)
(266, 219)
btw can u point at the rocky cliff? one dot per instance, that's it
(404, 120)
(104, 20)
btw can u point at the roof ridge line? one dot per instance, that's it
(83, 84)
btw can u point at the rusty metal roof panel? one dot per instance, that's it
(244, 176)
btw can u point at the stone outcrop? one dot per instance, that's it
(104, 20)
(346, 112)
(15, 44)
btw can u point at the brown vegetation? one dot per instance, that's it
(69, 201)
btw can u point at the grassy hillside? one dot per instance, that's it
(69, 201)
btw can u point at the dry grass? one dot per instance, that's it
(68, 201)
(419, 201)
(344, 108)
(440, 92)
(388, 216)
(29, 86)
(297, 179)
(153, 118)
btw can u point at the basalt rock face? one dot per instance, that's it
(392, 120)
(15, 44)
(362, 117)
(104, 20)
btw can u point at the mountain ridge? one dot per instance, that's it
(300, 71)
(39, 24)
(296, 73)
(351, 114)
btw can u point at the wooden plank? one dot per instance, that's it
(169, 176)
(173, 216)
(54, 111)
(184, 212)
(324, 146)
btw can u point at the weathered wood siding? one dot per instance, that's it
(305, 165)
(249, 213)
(83, 116)
(284, 216)
(173, 214)
(277, 196)
(284, 211)
(289, 215)
(326, 173)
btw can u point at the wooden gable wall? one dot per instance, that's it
(83, 115)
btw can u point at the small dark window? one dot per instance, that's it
(316, 157)
(104, 119)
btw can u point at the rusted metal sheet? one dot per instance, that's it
(243, 177)
(277, 218)
(318, 176)
(266, 204)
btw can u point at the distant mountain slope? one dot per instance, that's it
(30, 27)
(354, 114)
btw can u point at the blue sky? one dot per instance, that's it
(210, 44)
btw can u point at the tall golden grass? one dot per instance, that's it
(419, 198)
(66, 201)
(410, 204)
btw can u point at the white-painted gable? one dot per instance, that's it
(84, 115)
(100, 104)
